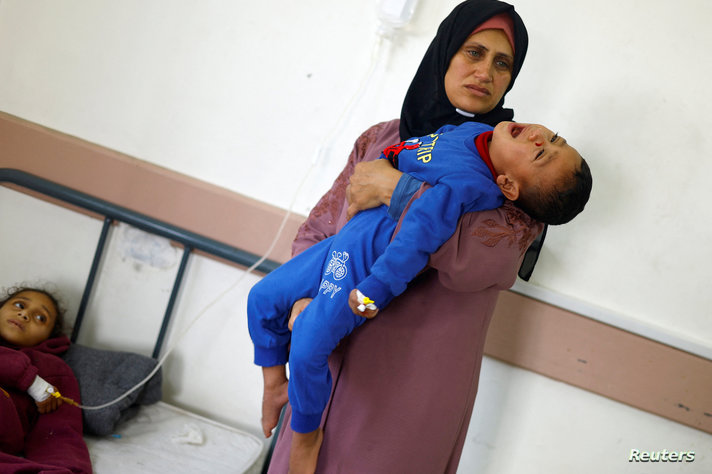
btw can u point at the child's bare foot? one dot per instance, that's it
(274, 397)
(305, 452)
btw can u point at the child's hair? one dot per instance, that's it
(558, 206)
(58, 329)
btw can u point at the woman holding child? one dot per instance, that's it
(405, 382)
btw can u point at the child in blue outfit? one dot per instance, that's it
(471, 167)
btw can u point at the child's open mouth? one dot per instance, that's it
(515, 129)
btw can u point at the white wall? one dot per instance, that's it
(528, 424)
(240, 94)
(626, 81)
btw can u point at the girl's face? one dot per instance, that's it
(480, 72)
(27, 319)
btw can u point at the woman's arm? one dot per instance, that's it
(327, 217)
(371, 184)
(486, 250)
(377, 182)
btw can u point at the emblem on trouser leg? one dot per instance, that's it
(337, 265)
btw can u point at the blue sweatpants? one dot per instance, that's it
(327, 272)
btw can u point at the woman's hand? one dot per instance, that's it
(297, 308)
(371, 185)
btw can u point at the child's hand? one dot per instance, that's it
(354, 304)
(49, 405)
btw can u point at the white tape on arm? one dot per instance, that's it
(40, 390)
(366, 302)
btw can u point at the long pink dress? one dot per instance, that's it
(405, 382)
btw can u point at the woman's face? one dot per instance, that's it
(480, 72)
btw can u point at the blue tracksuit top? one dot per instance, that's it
(461, 182)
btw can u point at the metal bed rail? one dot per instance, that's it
(113, 213)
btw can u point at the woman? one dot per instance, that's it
(405, 382)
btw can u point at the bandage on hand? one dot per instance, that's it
(365, 302)
(361, 305)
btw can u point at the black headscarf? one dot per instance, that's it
(426, 106)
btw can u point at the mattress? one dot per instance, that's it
(162, 439)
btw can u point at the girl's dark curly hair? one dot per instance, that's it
(58, 329)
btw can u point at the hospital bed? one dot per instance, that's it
(158, 437)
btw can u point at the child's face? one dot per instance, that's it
(27, 319)
(531, 154)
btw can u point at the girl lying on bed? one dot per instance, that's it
(38, 432)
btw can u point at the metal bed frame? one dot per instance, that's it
(113, 213)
